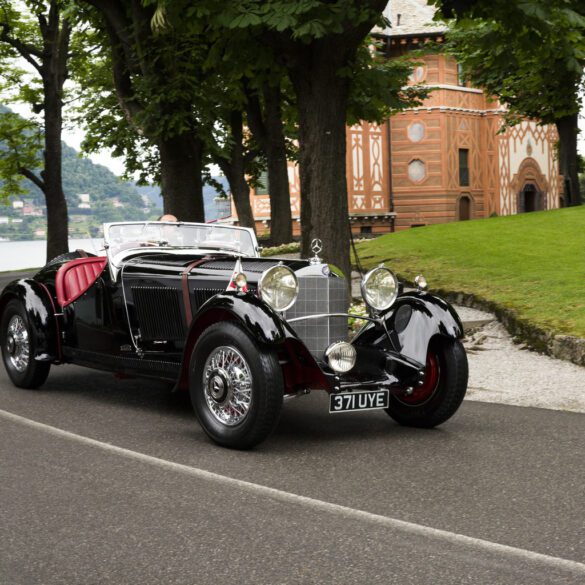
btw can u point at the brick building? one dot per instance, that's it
(443, 161)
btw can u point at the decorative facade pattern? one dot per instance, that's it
(528, 159)
(367, 164)
(445, 160)
(376, 160)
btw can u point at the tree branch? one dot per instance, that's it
(43, 25)
(119, 28)
(123, 82)
(26, 51)
(63, 49)
(33, 178)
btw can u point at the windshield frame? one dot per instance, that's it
(116, 260)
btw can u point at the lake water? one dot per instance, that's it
(32, 254)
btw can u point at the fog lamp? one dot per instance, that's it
(341, 356)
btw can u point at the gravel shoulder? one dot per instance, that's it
(504, 372)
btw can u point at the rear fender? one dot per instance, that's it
(40, 310)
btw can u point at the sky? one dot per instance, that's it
(73, 136)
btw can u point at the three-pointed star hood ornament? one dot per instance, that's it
(238, 280)
(317, 248)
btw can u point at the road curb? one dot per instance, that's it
(563, 347)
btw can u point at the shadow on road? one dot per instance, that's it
(304, 420)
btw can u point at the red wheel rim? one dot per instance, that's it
(423, 392)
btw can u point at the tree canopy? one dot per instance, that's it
(38, 34)
(530, 55)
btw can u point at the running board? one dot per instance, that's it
(150, 368)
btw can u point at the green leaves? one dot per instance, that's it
(245, 20)
(536, 66)
(20, 148)
(303, 20)
(379, 86)
(313, 29)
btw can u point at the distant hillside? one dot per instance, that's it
(81, 175)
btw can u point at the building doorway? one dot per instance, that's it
(530, 199)
(464, 208)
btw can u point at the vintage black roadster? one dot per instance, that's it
(195, 304)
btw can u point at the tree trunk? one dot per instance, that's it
(322, 103)
(278, 187)
(567, 128)
(241, 196)
(57, 220)
(234, 169)
(181, 183)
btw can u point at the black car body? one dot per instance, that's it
(193, 314)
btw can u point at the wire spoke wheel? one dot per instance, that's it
(227, 383)
(18, 340)
(236, 386)
(17, 343)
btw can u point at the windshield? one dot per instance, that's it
(126, 236)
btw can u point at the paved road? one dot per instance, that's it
(6, 277)
(123, 495)
(107, 481)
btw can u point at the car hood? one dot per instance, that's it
(218, 266)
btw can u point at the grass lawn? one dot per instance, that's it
(532, 264)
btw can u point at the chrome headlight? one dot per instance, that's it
(279, 288)
(380, 288)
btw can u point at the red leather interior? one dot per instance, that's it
(76, 276)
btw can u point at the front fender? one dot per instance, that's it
(416, 318)
(266, 327)
(40, 311)
(255, 316)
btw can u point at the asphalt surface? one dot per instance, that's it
(113, 481)
(79, 511)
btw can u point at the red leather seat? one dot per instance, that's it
(76, 276)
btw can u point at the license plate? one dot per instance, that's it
(362, 400)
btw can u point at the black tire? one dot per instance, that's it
(62, 258)
(263, 375)
(29, 373)
(430, 406)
